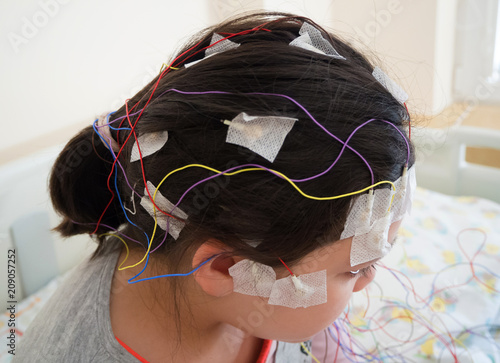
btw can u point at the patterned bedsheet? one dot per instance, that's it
(436, 295)
(435, 298)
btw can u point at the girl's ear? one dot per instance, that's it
(213, 277)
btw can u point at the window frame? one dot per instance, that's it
(476, 81)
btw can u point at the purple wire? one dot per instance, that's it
(126, 179)
(115, 158)
(272, 172)
(345, 144)
(122, 117)
(133, 190)
(277, 95)
(109, 227)
(345, 348)
(211, 177)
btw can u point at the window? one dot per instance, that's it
(477, 52)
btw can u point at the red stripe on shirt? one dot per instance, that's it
(131, 351)
(264, 352)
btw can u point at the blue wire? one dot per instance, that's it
(118, 193)
(147, 237)
(114, 128)
(169, 275)
(119, 128)
(345, 348)
(116, 183)
(128, 219)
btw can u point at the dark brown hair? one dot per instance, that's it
(253, 206)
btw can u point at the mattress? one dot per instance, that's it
(435, 297)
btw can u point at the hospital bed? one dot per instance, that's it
(435, 297)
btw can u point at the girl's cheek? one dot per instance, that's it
(364, 280)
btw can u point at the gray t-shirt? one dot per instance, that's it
(74, 326)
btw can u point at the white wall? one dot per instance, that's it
(65, 61)
(414, 40)
(62, 62)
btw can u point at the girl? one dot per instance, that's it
(238, 201)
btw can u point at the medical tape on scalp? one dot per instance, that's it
(104, 131)
(263, 135)
(369, 219)
(149, 144)
(311, 39)
(132, 201)
(396, 91)
(252, 278)
(169, 224)
(300, 291)
(220, 47)
(255, 279)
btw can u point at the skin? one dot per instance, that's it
(219, 325)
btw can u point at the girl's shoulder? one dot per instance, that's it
(72, 325)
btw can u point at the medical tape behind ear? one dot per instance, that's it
(311, 39)
(169, 224)
(397, 92)
(255, 279)
(149, 144)
(220, 47)
(369, 219)
(263, 135)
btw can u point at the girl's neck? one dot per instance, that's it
(149, 328)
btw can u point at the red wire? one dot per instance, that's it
(449, 344)
(291, 273)
(128, 137)
(149, 100)
(382, 327)
(367, 303)
(138, 117)
(338, 344)
(471, 260)
(387, 322)
(257, 28)
(452, 348)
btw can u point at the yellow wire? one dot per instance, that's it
(121, 239)
(242, 171)
(430, 324)
(275, 172)
(249, 169)
(164, 65)
(302, 344)
(308, 352)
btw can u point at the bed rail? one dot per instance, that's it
(442, 166)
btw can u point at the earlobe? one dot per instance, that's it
(213, 277)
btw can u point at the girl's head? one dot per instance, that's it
(255, 215)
